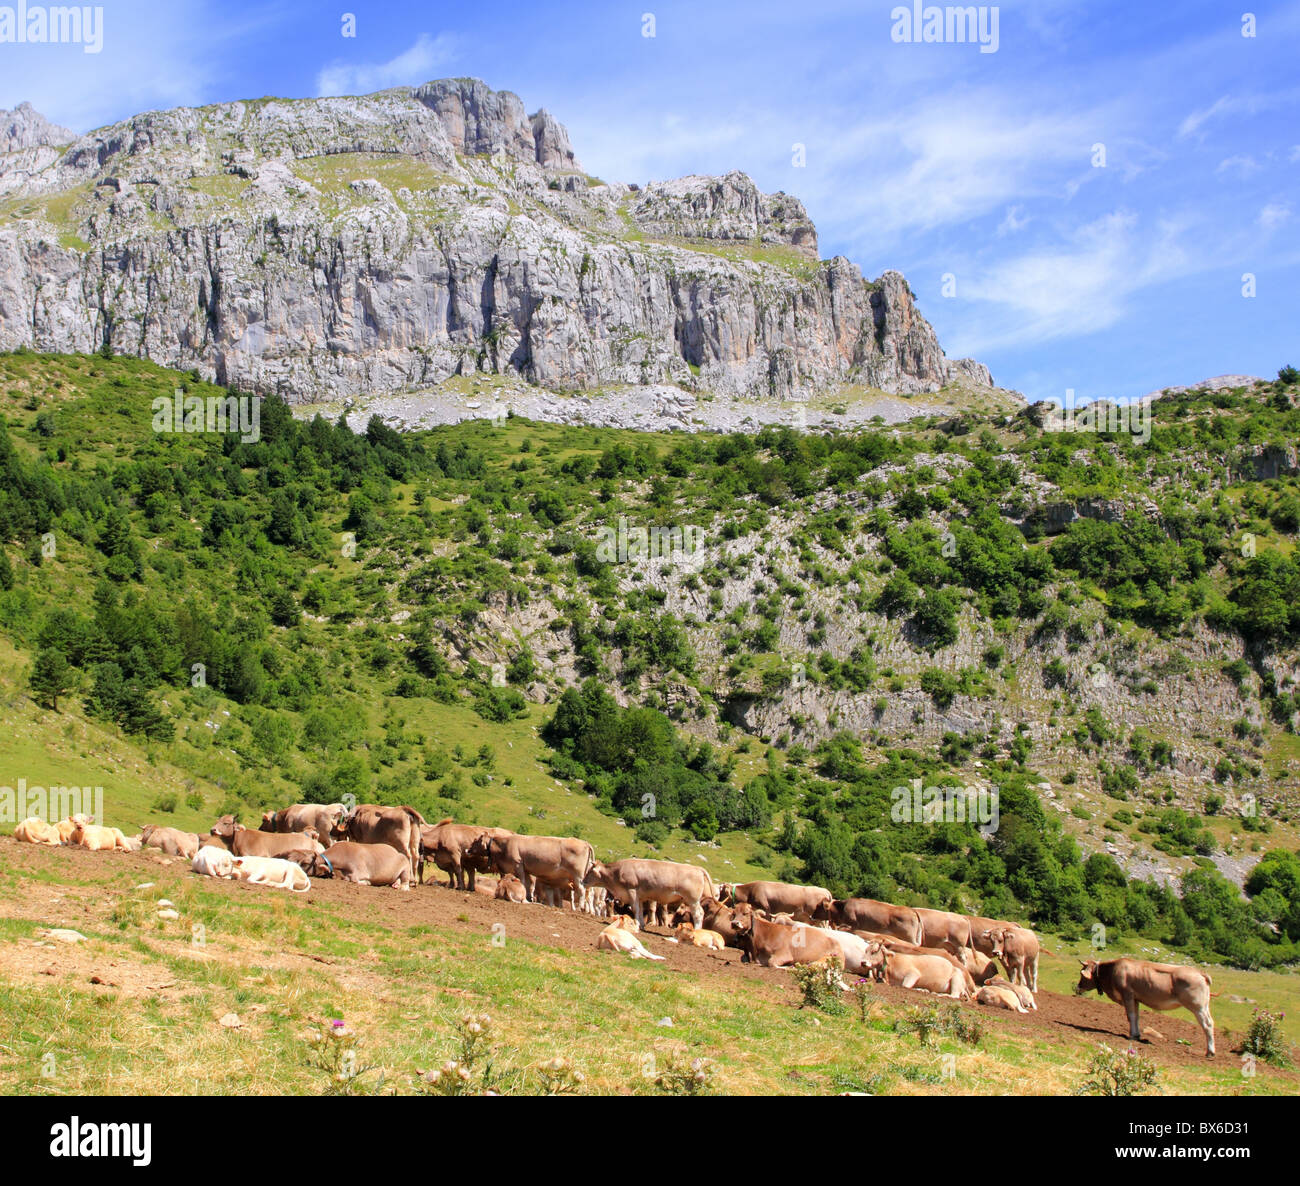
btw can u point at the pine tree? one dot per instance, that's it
(51, 677)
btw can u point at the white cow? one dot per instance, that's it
(273, 871)
(213, 862)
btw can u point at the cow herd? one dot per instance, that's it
(773, 924)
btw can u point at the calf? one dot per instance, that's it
(929, 973)
(98, 839)
(171, 841)
(511, 889)
(686, 933)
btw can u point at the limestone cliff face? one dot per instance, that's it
(333, 247)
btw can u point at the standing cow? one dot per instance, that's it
(550, 858)
(778, 897)
(641, 883)
(449, 845)
(322, 817)
(1133, 983)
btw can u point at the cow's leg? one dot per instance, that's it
(1033, 974)
(470, 874)
(1206, 1023)
(636, 907)
(697, 914)
(1131, 1008)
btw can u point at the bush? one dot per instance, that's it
(1265, 1040)
(821, 984)
(1112, 1074)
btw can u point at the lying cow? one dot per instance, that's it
(866, 914)
(639, 882)
(271, 871)
(99, 839)
(398, 827)
(999, 996)
(774, 945)
(365, 864)
(1023, 994)
(615, 938)
(779, 897)
(686, 933)
(1133, 983)
(931, 973)
(244, 842)
(322, 817)
(35, 830)
(213, 861)
(171, 841)
(511, 889)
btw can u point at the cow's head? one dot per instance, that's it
(480, 848)
(226, 827)
(876, 961)
(315, 863)
(742, 920)
(147, 831)
(827, 911)
(268, 821)
(1088, 978)
(996, 942)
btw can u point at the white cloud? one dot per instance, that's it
(421, 62)
(1242, 165)
(1273, 215)
(1013, 222)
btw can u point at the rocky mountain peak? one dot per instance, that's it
(24, 127)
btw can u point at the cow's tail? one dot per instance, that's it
(416, 816)
(920, 930)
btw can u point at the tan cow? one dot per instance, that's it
(511, 889)
(171, 841)
(1133, 983)
(979, 925)
(270, 871)
(552, 858)
(777, 945)
(717, 918)
(638, 881)
(449, 843)
(928, 972)
(686, 933)
(68, 826)
(999, 996)
(99, 839)
(323, 817)
(1017, 948)
(244, 842)
(35, 830)
(1023, 995)
(398, 827)
(364, 864)
(867, 914)
(615, 938)
(981, 967)
(943, 928)
(779, 897)
(890, 943)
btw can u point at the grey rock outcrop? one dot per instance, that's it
(328, 248)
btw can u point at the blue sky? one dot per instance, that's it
(935, 159)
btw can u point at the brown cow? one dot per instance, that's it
(398, 827)
(943, 928)
(779, 897)
(718, 918)
(365, 864)
(171, 841)
(511, 889)
(449, 844)
(323, 817)
(553, 858)
(979, 925)
(1133, 983)
(777, 945)
(245, 843)
(640, 882)
(928, 972)
(866, 914)
(1018, 950)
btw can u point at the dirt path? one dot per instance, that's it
(1059, 1018)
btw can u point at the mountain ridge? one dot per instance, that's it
(326, 248)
